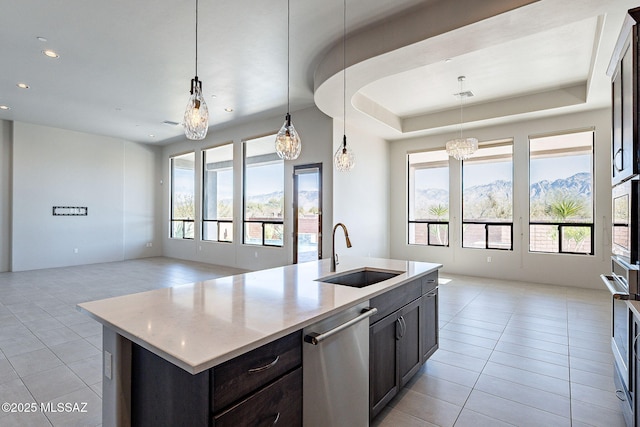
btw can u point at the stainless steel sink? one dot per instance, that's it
(360, 278)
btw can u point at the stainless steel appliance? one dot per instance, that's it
(625, 221)
(335, 374)
(623, 285)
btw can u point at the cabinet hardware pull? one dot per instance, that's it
(265, 367)
(398, 333)
(431, 281)
(618, 395)
(633, 348)
(277, 419)
(404, 326)
(615, 164)
(431, 294)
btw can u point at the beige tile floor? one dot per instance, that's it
(510, 353)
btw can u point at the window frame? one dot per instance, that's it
(172, 219)
(488, 224)
(262, 223)
(217, 221)
(410, 213)
(561, 225)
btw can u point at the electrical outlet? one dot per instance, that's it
(488, 259)
(108, 368)
(75, 250)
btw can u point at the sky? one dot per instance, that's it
(558, 167)
(550, 168)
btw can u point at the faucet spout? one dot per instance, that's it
(334, 256)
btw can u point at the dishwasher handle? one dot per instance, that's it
(315, 338)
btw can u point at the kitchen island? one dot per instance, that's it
(203, 325)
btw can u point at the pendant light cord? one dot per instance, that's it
(460, 95)
(288, 55)
(344, 69)
(196, 38)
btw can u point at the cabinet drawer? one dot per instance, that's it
(429, 282)
(238, 377)
(389, 302)
(279, 403)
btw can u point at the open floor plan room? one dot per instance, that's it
(511, 353)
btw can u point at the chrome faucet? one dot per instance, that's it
(334, 255)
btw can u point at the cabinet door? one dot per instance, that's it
(628, 141)
(383, 372)
(634, 368)
(430, 325)
(616, 123)
(409, 345)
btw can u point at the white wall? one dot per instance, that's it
(115, 179)
(5, 194)
(361, 196)
(315, 131)
(519, 264)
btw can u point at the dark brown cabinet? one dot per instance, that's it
(634, 366)
(623, 69)
(430, 326)
(401, 338)
(430, 329)
(260, 387)
(410, 342)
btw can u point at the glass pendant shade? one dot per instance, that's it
(288, 144)
(196, 115)
(344, 159)
(462, 148)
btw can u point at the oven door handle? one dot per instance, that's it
(609, 283)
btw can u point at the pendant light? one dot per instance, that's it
(462, 148)
(344, 159)
(196, 115)
(288, 144)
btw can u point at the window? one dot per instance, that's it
(429, 198)
(182, 196)
(263, 197)
(487, 197)
(217, 194)
(561, 201)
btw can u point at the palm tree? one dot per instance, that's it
(439, 211)
(565, 208)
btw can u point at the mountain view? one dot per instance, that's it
(494, 200)
(270, 205)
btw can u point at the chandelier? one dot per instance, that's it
(462, 148)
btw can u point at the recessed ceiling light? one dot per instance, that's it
(23, 85)
(4, 107)
(42, 39)
(50, 53)
(213, 96)
(228, 109)
(152, 135)
(448, 60)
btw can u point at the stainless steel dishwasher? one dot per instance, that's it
(335, 357)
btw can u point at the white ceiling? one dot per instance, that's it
(125, 66)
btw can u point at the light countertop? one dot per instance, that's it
(200, 325)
